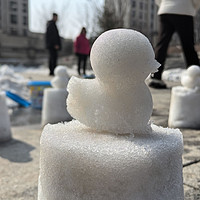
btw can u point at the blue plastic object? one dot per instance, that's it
(89, 76)
(36, 92)
(18, 99)
(39, 83)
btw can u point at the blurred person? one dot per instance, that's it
(175, 16)
(82, 50)
(53, 43)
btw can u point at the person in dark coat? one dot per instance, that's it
(53, 43)
(175, 16)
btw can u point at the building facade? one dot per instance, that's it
(17, 43)
(141, 15)
(14, 17)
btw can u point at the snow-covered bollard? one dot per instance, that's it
(5, 129)
(54, 100)
(111, 151)
(185, 101)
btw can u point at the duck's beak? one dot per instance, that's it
(155, 66)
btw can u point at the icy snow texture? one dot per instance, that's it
(5, 130)
(191, 77)
(184, 109)
(54, 99)
(78, 163)
(185, 101)
(117, 100)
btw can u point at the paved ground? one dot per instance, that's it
(191, 138)
(19, 158)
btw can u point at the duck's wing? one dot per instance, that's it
(81, 97)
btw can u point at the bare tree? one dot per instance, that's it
(88, 16)
(45, 13)
(73, 15)
(113, 14)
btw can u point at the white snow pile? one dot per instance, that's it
(5, 131)
(54, 99)
(173, 75)
(185, 101)
(13, 82)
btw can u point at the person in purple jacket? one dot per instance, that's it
(82, 50)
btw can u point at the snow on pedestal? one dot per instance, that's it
(54, 100)
(111, 151)
(5, 130)
(185, 101)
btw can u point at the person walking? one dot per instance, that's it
(82, 50)
(53, 43)
(175, 16)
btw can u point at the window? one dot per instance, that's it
(13, 6)
(24, 20)
(141, 5)
(133, 4)
(13, 31)
(24, 7)
(140, 15)
(25, 32)
(133, 13)
(13, 19)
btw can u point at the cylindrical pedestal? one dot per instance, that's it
(78, 163)
(54, 106)
(184, 108)
(5, 131)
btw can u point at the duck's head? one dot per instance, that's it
(61, 77)
(135, 63)
(191, 77)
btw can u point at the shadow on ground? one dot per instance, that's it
(18, 151)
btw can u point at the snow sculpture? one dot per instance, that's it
(54, 100)
(191, 78)
(102, 155)
(185, 101)
(119, 88)
(5, 130)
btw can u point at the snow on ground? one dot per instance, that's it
(15, 78)
(173, 75)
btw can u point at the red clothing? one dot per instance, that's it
(82, 45)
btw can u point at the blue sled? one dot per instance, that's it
(18, 99)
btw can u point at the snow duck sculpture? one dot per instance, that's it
(118, 100)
